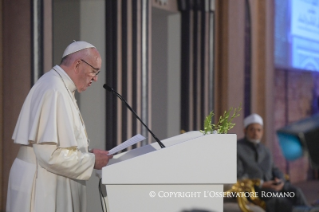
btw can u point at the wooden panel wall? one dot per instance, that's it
(16, 79)
(1, 112)
(230, 59)
(128, 68)
(263, 77)
(197, 68)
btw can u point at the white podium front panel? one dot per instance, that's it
(165, 198)
(203, 160)
(186, 175)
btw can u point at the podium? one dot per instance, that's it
(187, 175)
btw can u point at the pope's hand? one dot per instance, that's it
(101, 158)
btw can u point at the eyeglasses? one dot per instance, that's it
(93, 72)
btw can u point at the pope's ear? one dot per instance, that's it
(76, 66)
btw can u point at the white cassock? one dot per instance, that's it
(53, 163)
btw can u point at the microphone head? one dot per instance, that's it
(108, 87)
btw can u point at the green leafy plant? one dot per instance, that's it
(208, 126)
(224, 124)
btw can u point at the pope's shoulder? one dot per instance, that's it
(49, 84)
(49, 81)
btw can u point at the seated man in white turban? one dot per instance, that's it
(254, 161)
(53, 163)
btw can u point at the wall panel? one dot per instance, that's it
(1, 112)
(16, 77)
(128, 69)
(197, 68)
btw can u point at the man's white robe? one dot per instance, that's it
(53, 164)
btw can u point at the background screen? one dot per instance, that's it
(297, 34)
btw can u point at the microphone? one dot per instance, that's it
(108, 88)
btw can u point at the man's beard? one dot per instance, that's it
(254, 141)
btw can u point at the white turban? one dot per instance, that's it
(76, 46)
(253, 119)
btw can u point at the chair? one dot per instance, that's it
(240, 188)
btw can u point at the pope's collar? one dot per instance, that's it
(67, 80)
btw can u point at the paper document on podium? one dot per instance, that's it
(127, 143)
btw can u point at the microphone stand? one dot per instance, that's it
(129, 107)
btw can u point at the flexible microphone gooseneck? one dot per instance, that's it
(129, 107)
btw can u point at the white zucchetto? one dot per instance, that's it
(253, 119)
(76, 46)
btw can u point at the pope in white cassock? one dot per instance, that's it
(53, 163)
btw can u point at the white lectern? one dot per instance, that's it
(186, 175)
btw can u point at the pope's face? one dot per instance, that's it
(89, 69)
(254, 132)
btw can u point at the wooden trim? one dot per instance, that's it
(124, 64)
(221, 64)
(149, 68)
(190, 73)
(185, 82)
(111, 51)
(197, 69)
(139, 65)
(119, 70)
(135, 51)
(269, 74)
(247, 63)
(262, 65)
(211, 59)
(47, 36)
(205, 67)
(229, 81)
(1, 116)
(129, 68)
(37, 23)
(145, 55)
(196, 63)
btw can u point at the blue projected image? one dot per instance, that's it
(291, 146)
(297, 34)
